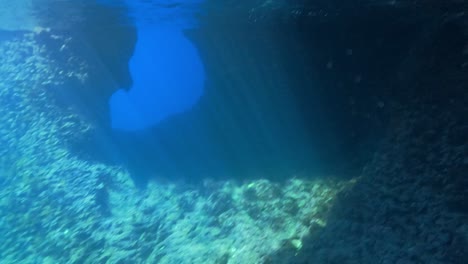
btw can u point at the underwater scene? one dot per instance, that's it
(234, 132)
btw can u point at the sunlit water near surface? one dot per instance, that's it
(168, 78)
(233, 131)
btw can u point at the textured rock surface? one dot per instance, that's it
(410, 204)
(60, 208)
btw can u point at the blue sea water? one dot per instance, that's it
(110, 110)
(250, 131)
(165, 67)
(168, 78)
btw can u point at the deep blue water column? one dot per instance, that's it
(168, 78)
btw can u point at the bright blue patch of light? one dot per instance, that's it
(167, 72)
(168, 78)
